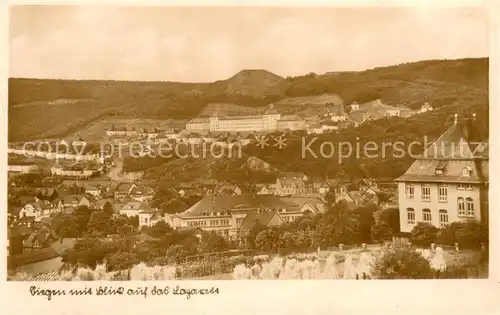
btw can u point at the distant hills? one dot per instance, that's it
(54, 108)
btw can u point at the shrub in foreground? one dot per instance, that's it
(402, 263)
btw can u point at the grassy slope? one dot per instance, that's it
(442, 82)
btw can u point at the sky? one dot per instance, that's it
(196, 44)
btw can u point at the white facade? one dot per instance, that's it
(22, 168)
(437, 203)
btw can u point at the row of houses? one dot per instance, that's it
(53, 155)
(76, 171)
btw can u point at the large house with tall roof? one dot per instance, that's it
(448, 182)
(225, 214)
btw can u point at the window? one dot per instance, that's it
(426, 192)
(410, 191)
(461, 206)
(470, 206)
(441, 167)
(443, 193)
(443, 218)
(426, 215)
(464, 186)
(411, 216)
(466, 172)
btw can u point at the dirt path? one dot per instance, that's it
(116, 173)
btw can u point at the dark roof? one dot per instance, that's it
(459, 141)
(123, 187)
(254, 217)
(141, 190)
(212, 204)
(459, 147)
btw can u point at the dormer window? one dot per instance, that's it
(466, 172)
(440, 168)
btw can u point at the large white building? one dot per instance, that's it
(225, 215)
(448, 182)
(270, 120)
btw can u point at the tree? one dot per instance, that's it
(381, 232)
(125, 229)
(108, 209)
(213, 242)
(160, 229)
(65, 225)
(121, 261)
(338, 225)
(366, 221)
(391, 217)
(268, 239)
(402, 263)
(252, 235)
(423, 234)
(99, 224)
(82, 215)
(88, 252)
(382, 197)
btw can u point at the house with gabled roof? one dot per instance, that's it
(92, 190)
(290, 184)
(225, 214)
(227, 189)
(262, 218)
(133, 208)
(35, 210)
(449, 181)
(141, 193)
(150, 217)
(122, 190)
(74, 201)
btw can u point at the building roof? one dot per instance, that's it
(91, 187)
(136, 205)
(316, 203)
(213, 204)
(459, 147)
(124, 187)
(255, 217)
(226, 186)
(141, 190)
(199, 120)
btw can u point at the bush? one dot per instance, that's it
(402, 263)
(381, 232)
(423, 234)
(467, 234)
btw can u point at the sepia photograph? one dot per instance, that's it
(151, 143)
